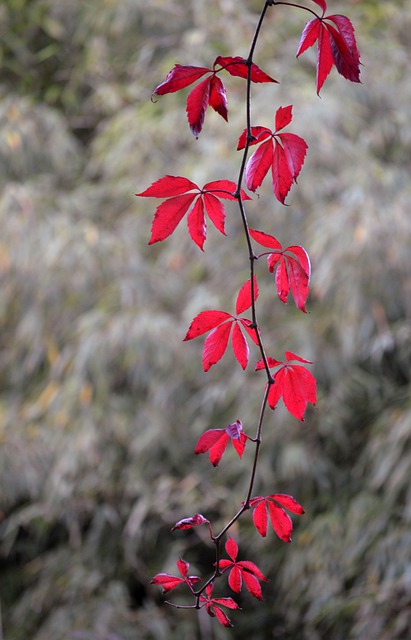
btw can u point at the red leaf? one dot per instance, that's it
(292, 271)
(168, 186)
(218, 97)
(252, 568)
(322, 4)
(286, 159)
(344, 49)
(215, 441)
(225, 189)
(283, 117)
(167, 581)
(197, 103)
(295, 149)
(232, 549)
(235, 581)
(237, 66)
(260, 518)
(214, 610)
(215, 345)
(244, 298)
(183, 567)
(294, 383)
(293, 356)
(282, 282)
(222, 617)
(196, 223)
(250, 330)
(252, 584)
(258, 165)
(215, 210)
(259, 133)
(302, 257)
(282, 176)
(180, 77)
(280, 521)
(189, 523)
(325, 59)
(299, 282)
(240, 346)
(335, 46)
(205, 321)
(270, 361)
(346, 30)
(265, 239)
(226, 602)
(239, 571)
(309, 35)
(297, 387)
(168, 214)
(288, 502)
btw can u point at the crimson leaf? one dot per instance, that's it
(183, 196)
(169, 582)
(243, 570)
(221, 324)
(210, 91)
(213, 606)
(293, 271)
(215, 441)
(189, 523)
(336, 45)
(280, 520)
(293, 382)
(284, 153)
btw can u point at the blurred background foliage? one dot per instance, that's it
(101, 404)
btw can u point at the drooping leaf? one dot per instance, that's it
(197, 103)
(204, 322)
(213, 606)
(168, 215)
(280, 520)
(215, 441)
(218, 97)
(336, 45)
(169, 582)
(221, 324)
(185, 197)
(215, 345)
(293, 382)
(196, 223)
(284, 153)
(259, 164)
(180, 76)
(244, 298)
(237, 66)
(240, 346)
(242, 570)
(168, 186)
(292, 265)
(322, 4)
(283, 117)
(189, 523)
(210, 91)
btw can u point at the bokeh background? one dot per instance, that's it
(101, 403)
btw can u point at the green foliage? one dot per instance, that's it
(90, 342)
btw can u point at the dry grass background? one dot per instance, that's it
(101, 404)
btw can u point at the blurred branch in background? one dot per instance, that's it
(96, 431)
